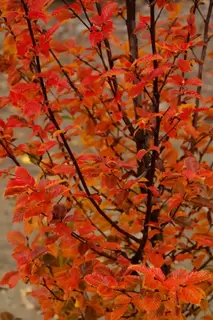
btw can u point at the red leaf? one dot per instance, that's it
(194, 82)
(73, 279)
(141, 153)
(154, 191)
(155, 148)
(31, 109)
(11, 279)
(154, 272)
(136, 89)
(21, 182)
(95, 36)
(62, 229)
(46, 146)
(22, 87)
(123, 261)
(108, 10)
(64, 169)
(109, 181)
(160, 71)
(23, 176)
(35, 15)
(192, 93)
(191, 164)
(143, 23)
(15, 121)
(176, 79)
(22, 255)
(37, 5)
(95, 279)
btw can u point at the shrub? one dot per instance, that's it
(117, 216)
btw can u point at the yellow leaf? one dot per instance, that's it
(10, 45)
(186, 106)
(25, 159)
(57, 133)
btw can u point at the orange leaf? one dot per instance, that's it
(112, 246)
(156, 259)
(113, 72)
(199, 260)
(118, 312)
(64, 169)
(106, 292)
(151, 302)
(193, 294)
(203, 239)
(109, 181)
(207, 317)
(184, 65)
(16, 238)
(122, 299)
(147, 58)
(108, 10)
(58, 46)
(198, 276)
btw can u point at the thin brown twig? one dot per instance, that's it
(10, 154)
(202, 58)
(44, 284)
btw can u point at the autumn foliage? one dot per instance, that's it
(112, 174)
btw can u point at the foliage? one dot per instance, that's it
(117, 221)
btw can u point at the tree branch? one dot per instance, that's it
(10, 154)
(63, 138)
(151, 174)
(202, 58)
